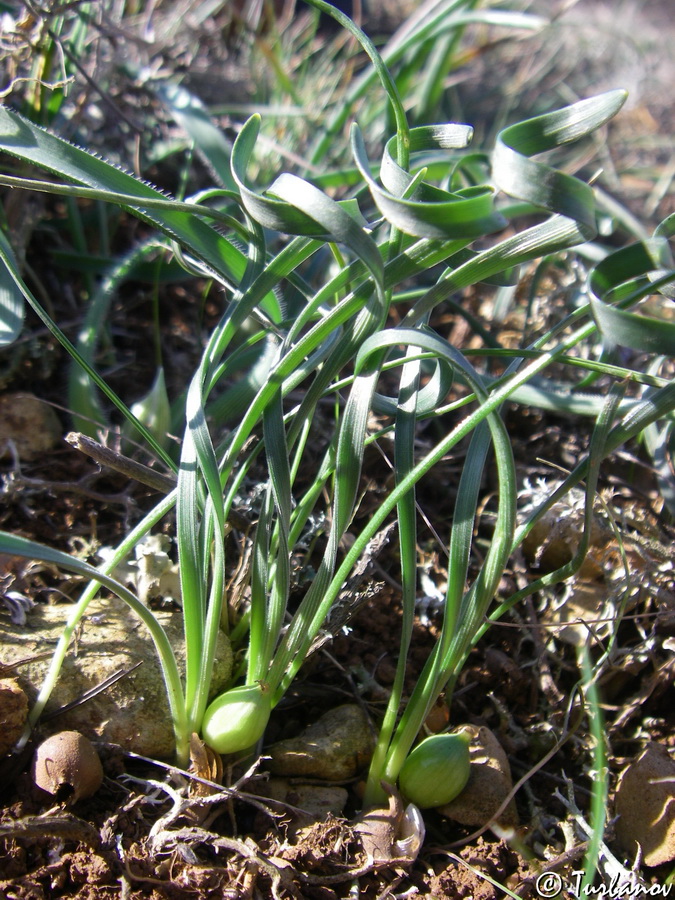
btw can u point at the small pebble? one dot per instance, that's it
(67, 766)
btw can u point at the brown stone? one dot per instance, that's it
(305, 803)
(13, 713)
(488, 786)
(645, 806)
(29, 423)
(67, 766)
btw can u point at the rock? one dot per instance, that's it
(488, 786)
(334, 748)
(156, 576)
(67, 766)
(134, 711)
(645, 806)
(311, 802)
(30, 423)
(13, 713)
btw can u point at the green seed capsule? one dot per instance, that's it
(437, 770)
(237, 719)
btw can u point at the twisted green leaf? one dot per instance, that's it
(517, 175)
(619, 274)
(418, 208)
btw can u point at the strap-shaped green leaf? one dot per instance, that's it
(428, 398)
(294, 206)
(666, 229)
(277, 587)
(616, 277)
(658, 441)
(11, 298)
(340, 221)
(26, 141)
(517, 175)
(640, 332)
(429, 212)
(553, 234)
(269, 211)
(154, 411)
(428, 137)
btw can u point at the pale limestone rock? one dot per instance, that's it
(134, 712)
(334, 748)
(307, 803)
(645, 806)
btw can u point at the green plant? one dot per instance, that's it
(237, 719)
(437, 770)
(308, 328)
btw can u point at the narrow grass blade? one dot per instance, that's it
(54, 329)
(88, 413)
(11, 297)
(600, 772)
(379, 71)
(446, 16)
